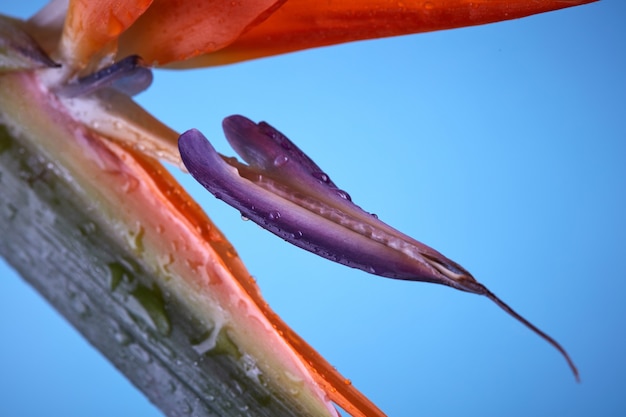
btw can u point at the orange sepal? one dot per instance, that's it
(303, 24)
(175, 30)
(91, 25)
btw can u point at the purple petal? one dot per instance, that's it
(262, 145)
(129, 76)
(283, 191)
(299, 226)
(267, 149)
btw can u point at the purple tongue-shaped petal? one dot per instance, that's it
(280, 161)
(285, 192)
(268, 150)
(129, 76)
(299, 226)
(264, 147)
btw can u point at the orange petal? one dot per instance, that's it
(302, 24)
(92, 25)
(174, 30)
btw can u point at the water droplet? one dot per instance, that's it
(186, 408)
(130, 184)
(161, 349)
(87, 228)
(297, 235)
(122, 337)
(208, 341)
(293, 377)
(274, 215)
(344, 195)
(230, 252)
(322, 176)
(136, 239)
(244, 218)
(80, 307)
(139, 352)
(374, 215)
(280, 160)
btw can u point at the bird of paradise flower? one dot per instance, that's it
(103, 126)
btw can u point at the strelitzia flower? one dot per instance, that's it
(168, 276)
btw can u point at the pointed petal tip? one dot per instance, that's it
(305, 24)
(534, 329)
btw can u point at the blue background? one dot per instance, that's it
(503, 146)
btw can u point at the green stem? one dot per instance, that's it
(49, 234)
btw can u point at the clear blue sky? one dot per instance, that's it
(503, 146)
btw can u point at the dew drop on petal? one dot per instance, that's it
(140, 353)
(322, 176)
(280, 160)
(344, 195)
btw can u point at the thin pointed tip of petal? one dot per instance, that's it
(305, 24)
(535, 329)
